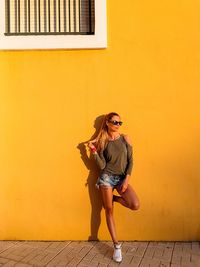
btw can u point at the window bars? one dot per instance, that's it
(49, 17)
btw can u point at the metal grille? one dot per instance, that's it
(49, 17)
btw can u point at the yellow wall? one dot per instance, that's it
(49, 101)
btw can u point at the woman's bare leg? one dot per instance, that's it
(128, 198)
(107, 197)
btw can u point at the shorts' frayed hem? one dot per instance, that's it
(109, 180)
(103, 185)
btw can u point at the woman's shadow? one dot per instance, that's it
(94, 194)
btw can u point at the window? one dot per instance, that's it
(26, 17)
(51, 24)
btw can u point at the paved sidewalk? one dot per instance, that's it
(93, 254)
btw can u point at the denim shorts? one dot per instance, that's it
(110, 180)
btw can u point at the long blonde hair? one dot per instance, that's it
(102, 138)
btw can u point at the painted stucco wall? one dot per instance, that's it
(51, 103)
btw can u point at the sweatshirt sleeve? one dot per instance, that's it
(130, 159)
(100, 160)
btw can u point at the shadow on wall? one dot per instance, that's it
(94, 194)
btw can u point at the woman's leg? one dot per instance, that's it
(107, 197)
(128, 198)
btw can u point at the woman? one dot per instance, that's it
(113, 154)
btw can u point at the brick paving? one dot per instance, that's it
(93, 254)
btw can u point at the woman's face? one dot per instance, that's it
(113, 124)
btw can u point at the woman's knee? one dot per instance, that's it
(134, 205)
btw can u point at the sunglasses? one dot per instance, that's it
(116, 122)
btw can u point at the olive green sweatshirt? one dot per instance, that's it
(116, 158)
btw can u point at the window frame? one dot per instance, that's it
(32, 42)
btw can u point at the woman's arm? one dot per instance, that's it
(129, 155)
(129, 164)
(99, 157)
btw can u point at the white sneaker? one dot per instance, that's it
(117, 255)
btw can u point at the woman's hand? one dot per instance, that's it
(92, 147)
(125, 184)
